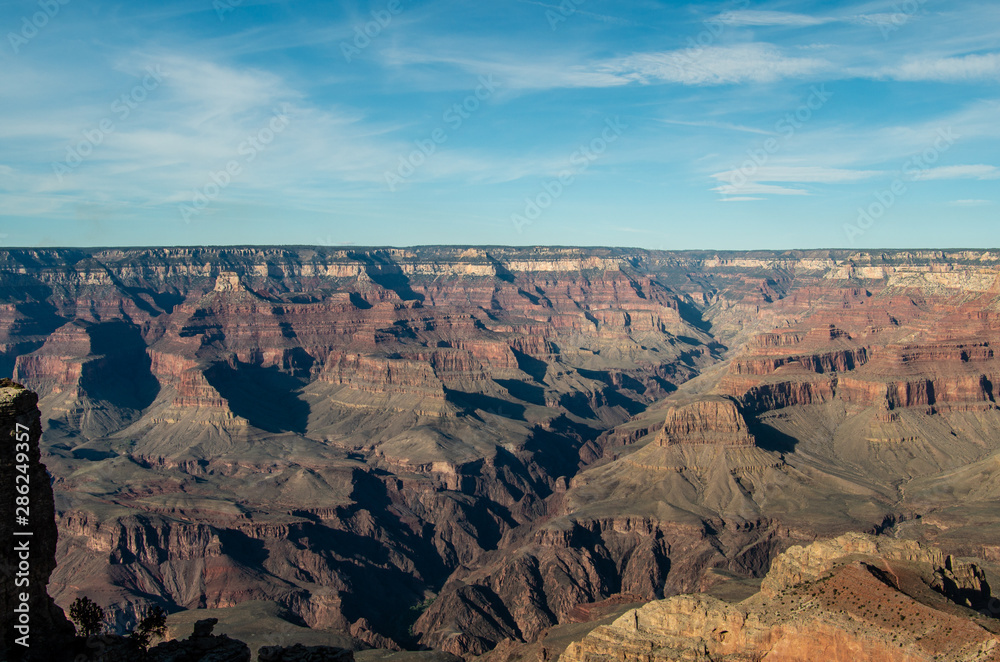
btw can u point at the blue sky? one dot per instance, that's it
(664, 125)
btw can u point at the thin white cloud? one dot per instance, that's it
(713, 65)
(741, 199)
(221, 92)
(514, 74)
(752, 17)
(946, 69)
(765, 180)
(889, 20)
(970, 203)
(804, 174)
(859, 153)
(812, 174)
(604, 18)
(760, 18)
(719, 125)
(755, 188)
(716, 65)
(619, 228)
(959, 172)
(859, 146)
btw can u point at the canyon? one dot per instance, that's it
(465, 449)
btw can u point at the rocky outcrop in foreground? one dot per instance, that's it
(856, 598)
(201, 645)
(34, 628)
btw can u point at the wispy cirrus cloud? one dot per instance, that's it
(959, 172)
(888, 19)
(562, 11)
(717, 125)
(970, 203)
(755, 17)
(810, 174)
(518, 73)
(716, 65)
(763, 18)
(751, 63)
(781, 180)
(945, 69)
(756, 188)
(755, 62)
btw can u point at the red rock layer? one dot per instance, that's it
(710, 420)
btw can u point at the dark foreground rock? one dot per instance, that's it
(201, 646)
(300, 653)
(34, 628)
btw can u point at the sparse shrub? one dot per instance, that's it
(416, 611)
(152, 624)
(87, 616)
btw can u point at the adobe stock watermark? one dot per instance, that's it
(581, 160)
(364, 34)
(121, 108)
(991, 609)
(561, 13)
(911, 171)
(249, 149)
(31, 26)
(454, 117)
(904, 12)
(491, 424)
(711, 31)
(786, 128)
(223, 7)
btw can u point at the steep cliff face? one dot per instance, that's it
(357, 434)
(567, 565)
(34, 628)
(885, 351)
(707, 420)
